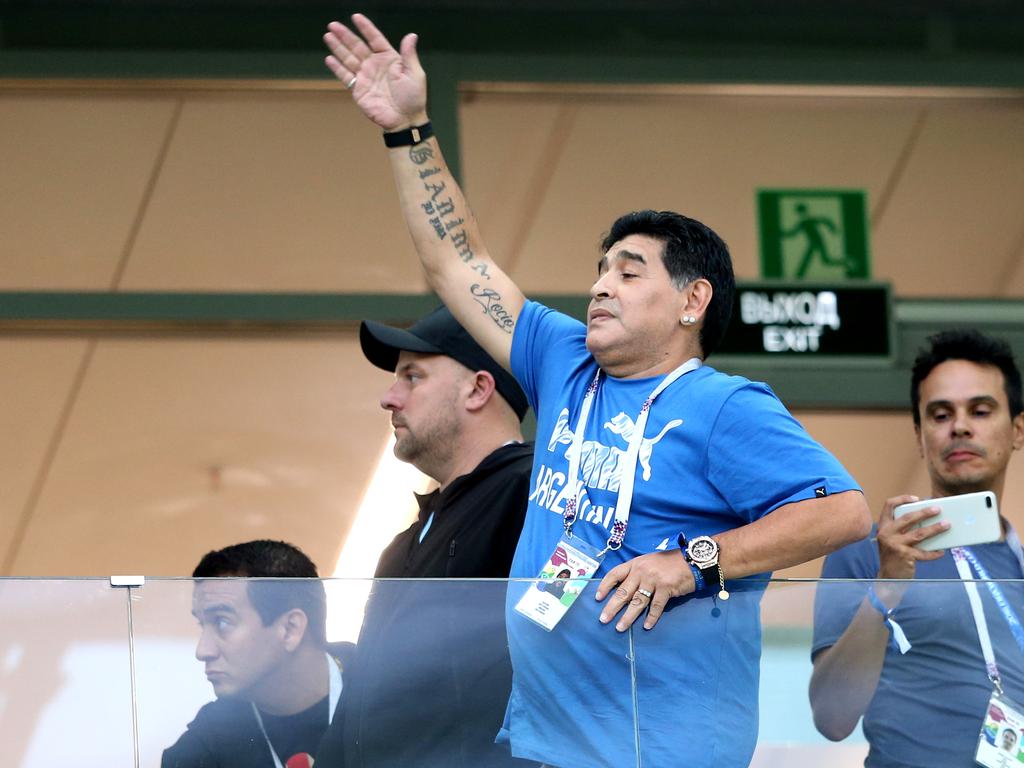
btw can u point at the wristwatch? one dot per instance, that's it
(702, 552)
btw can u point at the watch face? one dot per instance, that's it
(703, 548)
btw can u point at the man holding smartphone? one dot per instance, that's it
(913, 658)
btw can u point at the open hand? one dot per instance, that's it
(389, 86)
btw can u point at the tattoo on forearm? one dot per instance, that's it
(420, 153)
(460, 241)
(444, 218)
(445, 207)
(434, 189)
(490, 300)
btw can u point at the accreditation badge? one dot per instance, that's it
(1001, 742)
(561, 581)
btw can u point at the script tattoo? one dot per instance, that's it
(420, 153)
(444, 218)
(435, 221)
(490, 300)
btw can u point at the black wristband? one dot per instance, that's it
(410, 137)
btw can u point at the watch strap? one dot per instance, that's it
(409, 137)
(698, 577)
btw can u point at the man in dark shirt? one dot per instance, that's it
(263, 646)
(431, 675)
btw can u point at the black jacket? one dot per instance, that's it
(225, 734)
(431, 676)
(476, 526)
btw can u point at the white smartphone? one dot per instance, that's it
(973, 519)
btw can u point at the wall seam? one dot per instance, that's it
(147, 195)
(541, 181)
(898, 170)
(32, 502)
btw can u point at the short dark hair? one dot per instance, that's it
(692, 250)
(268, 559)
(975, 347)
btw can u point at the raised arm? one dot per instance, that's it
(846, 675)
(390, 87)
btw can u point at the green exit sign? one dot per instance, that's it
(813, 234)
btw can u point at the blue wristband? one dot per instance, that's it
(698, 578)
(896, 635)
(877, 604)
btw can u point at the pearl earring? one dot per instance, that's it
(689, 319)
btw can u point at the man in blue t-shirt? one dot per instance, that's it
(642, 452)
(908, 656)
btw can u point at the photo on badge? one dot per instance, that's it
(559, 583)
(1000, 741)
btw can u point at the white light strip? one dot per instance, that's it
(388, 507)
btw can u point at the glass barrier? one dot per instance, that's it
(932, 703)
(429, 678)
(427, 683)
(65, 673)
(786, 734)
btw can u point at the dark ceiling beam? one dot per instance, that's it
(696, 29)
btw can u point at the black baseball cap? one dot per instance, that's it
(439, 333)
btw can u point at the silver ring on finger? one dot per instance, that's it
(351, 83)
(645, 592)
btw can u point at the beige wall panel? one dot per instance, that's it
(507, 171)
(954, 224)
(703, 156)
(177, 447)
(38, 375)
(75, 171)
(274, 192)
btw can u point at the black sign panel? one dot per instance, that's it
(805, 320)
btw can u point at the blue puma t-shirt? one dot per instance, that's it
(718, 452)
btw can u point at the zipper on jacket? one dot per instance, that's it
(451, 549)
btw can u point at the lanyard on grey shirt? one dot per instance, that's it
(964, 558)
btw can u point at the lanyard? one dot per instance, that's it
(333, 694)
(627, 469)
(964, 559)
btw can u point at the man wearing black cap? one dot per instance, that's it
(431, 676)
(456, 415)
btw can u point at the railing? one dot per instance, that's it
(97, 675)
